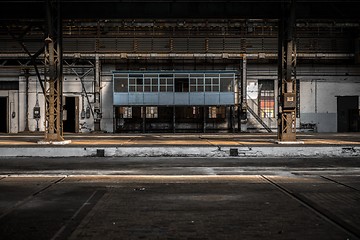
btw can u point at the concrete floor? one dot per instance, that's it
(179, 198)
(181, 145)
(220, 139)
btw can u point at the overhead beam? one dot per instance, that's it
(180, 9)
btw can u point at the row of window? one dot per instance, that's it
(193, 112)
(222, 82)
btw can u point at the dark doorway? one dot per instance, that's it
(181, 85)
(3, 115)
(348, 114)
(70, 118)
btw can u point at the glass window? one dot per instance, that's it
(151, 112)
(131, 88)
(120, 84)
(266, 98)
(226, 85)
(163, 88)
(179, 82)
(163, 81)
(147, 88)
(154, 81)
(147, 81)
(217, 112)
(170, 88)
(139, 88)
(126, 112)
(154, 88)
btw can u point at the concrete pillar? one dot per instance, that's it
(97, 109)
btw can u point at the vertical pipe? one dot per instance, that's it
(237, 100)
(244, 83)
(27, 75)
(204, 118)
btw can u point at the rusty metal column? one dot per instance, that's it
(53, 74)
(287, 74)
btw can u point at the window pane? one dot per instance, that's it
(215, 81)
(155, 89)
(226, 85)
(132, 81)
(154, 81)
(147, 88)
(120, 85)
(170, 81)
(147, 81)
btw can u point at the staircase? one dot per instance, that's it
(257, 117)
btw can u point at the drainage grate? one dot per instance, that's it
(100, 152)
(234, 152)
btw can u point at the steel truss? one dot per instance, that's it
(287, 74)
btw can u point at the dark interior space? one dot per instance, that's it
(181, 85)
(69, 123)
(348, 113)
(3, 114)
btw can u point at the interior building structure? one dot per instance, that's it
(179, 66)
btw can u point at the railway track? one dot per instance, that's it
(336, 221)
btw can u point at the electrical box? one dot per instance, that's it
(36, 112)
(289, 100)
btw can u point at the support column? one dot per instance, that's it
(243, 110)
(53, 73)
(287, 74)
(144, 119)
